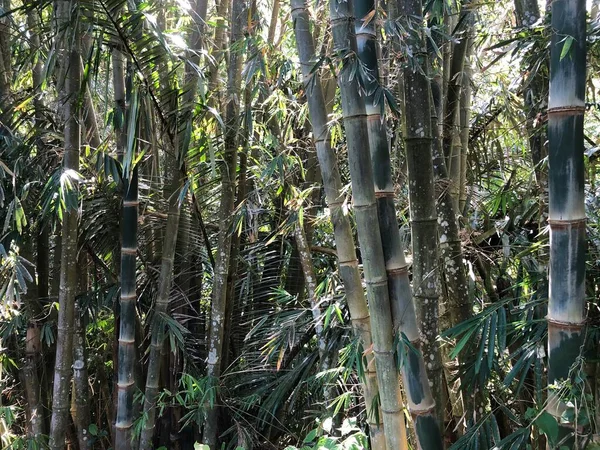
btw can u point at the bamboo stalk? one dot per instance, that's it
(567, 220)
(129, 225)
(344, 241)
(216, 336)
(418, 142)
(172, 227)
(68, 270)
(81, 401)
(367, 222)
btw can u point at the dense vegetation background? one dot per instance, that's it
(256, 224)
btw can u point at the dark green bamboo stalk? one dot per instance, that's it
(344, 242)
(452, 98)
(566, 306)
(418, 392)
(171, 232)
(418, 142)
(68, 270)
(81, 398)
(129, 226)
(33, 347)
(228, 178)
(375, 259)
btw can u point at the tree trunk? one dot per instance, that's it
(566, 306)
(69, 49)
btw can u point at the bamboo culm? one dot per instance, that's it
(228, 178)
(69, 47)
(170, 236)
(368, 226)
(344, 241)
(567, 219)
(418, 142)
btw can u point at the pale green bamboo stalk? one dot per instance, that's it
(418, 391)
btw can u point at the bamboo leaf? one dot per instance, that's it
(568, 42)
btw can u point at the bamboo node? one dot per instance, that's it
(423, 412)
(398, 270)
(128, 251)
(377, 283)
(391, 411)
(566, 325)
(384, 194)
(566, 110)
(350, 262)
(562, 223)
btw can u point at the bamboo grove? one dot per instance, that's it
(258, 224)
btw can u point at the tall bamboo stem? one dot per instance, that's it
(566, 306)
(377, 258)
(344, 241)
(419, 141)
(228, 178)
(68, 271)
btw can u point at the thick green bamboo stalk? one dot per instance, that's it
(68, 270)
(422, 405)
(33, 347)
(566, 306)
(228, 178)
(377, 259)
(129, 225)
(344, 241)
(127, 351)
(81, 398)
(418, 139)
(171, 232)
